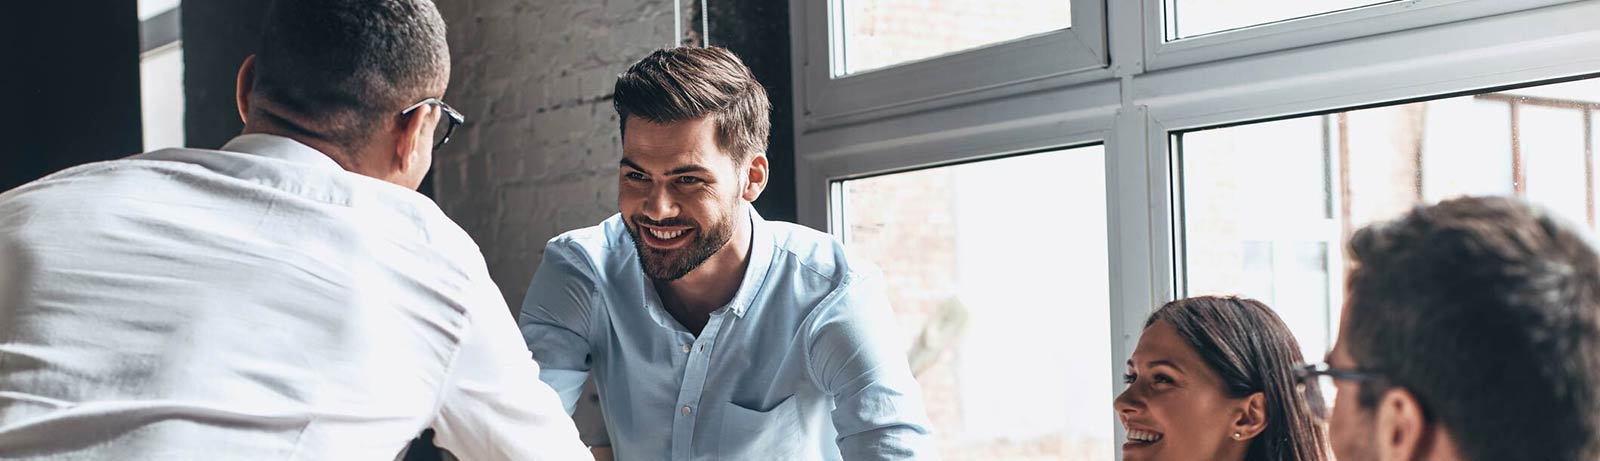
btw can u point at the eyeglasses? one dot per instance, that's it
(442, 131)
(1315, 382)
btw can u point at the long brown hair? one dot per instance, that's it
(1253, 351)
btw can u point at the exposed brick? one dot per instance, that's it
(538, 155)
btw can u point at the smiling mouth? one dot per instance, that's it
(1138, 438)
(665, 238)
(667, 235)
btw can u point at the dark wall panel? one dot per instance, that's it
(758, 31)
(75, 84)
(217, 36)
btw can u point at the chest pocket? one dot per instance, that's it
(773, 433)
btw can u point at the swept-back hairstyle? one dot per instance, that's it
(1253, 351)
(686, 83)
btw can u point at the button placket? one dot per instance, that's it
(694, 380)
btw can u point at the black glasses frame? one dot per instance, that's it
(1305, 377)
(1309, 372)
(455, 118)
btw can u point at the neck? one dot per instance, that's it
(278, 125)
(1438, 445)
(1235, 450)
(715, 282)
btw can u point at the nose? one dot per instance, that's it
(658, 203)
(1128, 403)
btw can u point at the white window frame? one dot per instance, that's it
(1153, 88)
(1052, 59)
(160, 31)
(1311, 30)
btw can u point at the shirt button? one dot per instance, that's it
(685, 410)
(686, 348)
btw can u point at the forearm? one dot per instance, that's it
(903, 441)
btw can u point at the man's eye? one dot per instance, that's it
(1164, 379)
(635, 176)
(689, 180)
(1129, 378)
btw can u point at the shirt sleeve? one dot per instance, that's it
(555, 320)
(493, 407)
(857, 357)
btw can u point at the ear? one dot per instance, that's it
(755, 177)
(1402, 428)
(243, 86)
(414, 130)
(1252, 418)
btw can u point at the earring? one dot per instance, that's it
(1238, 436)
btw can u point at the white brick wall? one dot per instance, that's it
(538, 154)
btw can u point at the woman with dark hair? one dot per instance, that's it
(1213, 379)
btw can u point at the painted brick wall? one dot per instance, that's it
(538, 154)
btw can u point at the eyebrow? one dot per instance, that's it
(675, 171)
(1153, 363)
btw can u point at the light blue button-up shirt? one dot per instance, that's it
(805, 362)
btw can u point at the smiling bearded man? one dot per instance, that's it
(712, 333)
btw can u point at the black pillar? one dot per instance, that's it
(758, 31)
(217, 36)
(75, 83)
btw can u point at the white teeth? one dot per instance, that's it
(664, 235)
(1142, 436)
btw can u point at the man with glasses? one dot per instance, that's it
(289, 296)
(1470, 333)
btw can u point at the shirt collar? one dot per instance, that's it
(755, 274)
(281, 148)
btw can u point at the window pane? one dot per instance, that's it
(161, 94)
(1188, 18)
(1267, 206)
(883, 33)
(150, 8)
(1007, 306)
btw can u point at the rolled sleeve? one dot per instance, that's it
(857, 357)
(555, 320)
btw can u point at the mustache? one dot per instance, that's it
(674, 222)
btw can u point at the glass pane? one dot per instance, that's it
(981, 287)
(161, 94)
(150, 8)
(883, 33)
(1189, 18)
(1267, 206)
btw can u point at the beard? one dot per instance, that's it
(670, 265)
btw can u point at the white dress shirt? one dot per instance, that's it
(254, 303)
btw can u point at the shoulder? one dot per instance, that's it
(820, 276)
(131, 171)
(817, 254)
(94, 194)
(592, 248)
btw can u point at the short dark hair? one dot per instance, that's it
(349, 65)
(1485, 310)
(686, 83)
(1250, 347)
